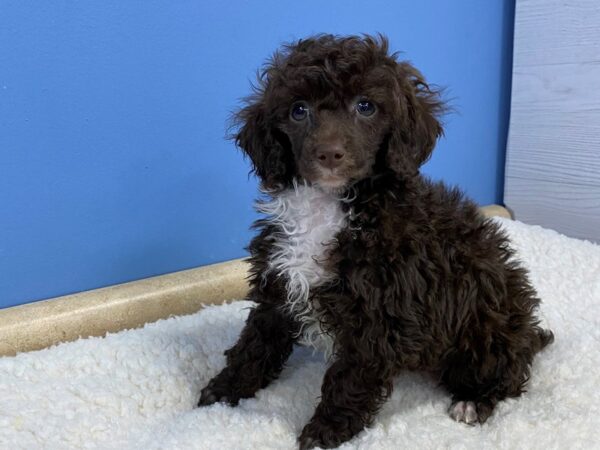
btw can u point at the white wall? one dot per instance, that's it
(553, 157)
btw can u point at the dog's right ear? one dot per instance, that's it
(264, 144)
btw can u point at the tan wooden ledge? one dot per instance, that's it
(130, 305)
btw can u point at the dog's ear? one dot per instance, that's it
(416, 126)
(264, 144)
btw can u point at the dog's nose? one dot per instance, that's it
(331, 156)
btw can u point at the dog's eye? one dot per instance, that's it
(365, 108)
(299, 111)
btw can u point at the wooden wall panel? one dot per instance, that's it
(553, 155)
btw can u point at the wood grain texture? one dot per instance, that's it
(553, 156)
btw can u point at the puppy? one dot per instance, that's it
(361, 255)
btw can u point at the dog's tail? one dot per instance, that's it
(544, 338)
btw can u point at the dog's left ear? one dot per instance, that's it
(417, 127)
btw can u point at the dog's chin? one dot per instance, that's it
(331, 184)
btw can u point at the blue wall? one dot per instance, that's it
(113, 162)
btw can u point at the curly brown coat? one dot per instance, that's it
(414, 277)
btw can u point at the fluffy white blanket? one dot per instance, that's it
(138, 389)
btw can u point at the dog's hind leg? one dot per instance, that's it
(478, 380)
(256, 359)
(473, 399)
(478, 383)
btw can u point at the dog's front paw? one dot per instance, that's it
(320, 435)
(218, 391)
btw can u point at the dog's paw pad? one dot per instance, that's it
(464, 412)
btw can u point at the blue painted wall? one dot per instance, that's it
(113, 162)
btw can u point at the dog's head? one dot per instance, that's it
(332, 111)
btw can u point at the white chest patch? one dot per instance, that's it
(308, 220)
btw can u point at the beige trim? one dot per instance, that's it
(496, 211)
(129, 305)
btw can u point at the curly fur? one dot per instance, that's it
(400, 272)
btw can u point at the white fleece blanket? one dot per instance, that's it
(137, 389)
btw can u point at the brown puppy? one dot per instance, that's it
(361, 255)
